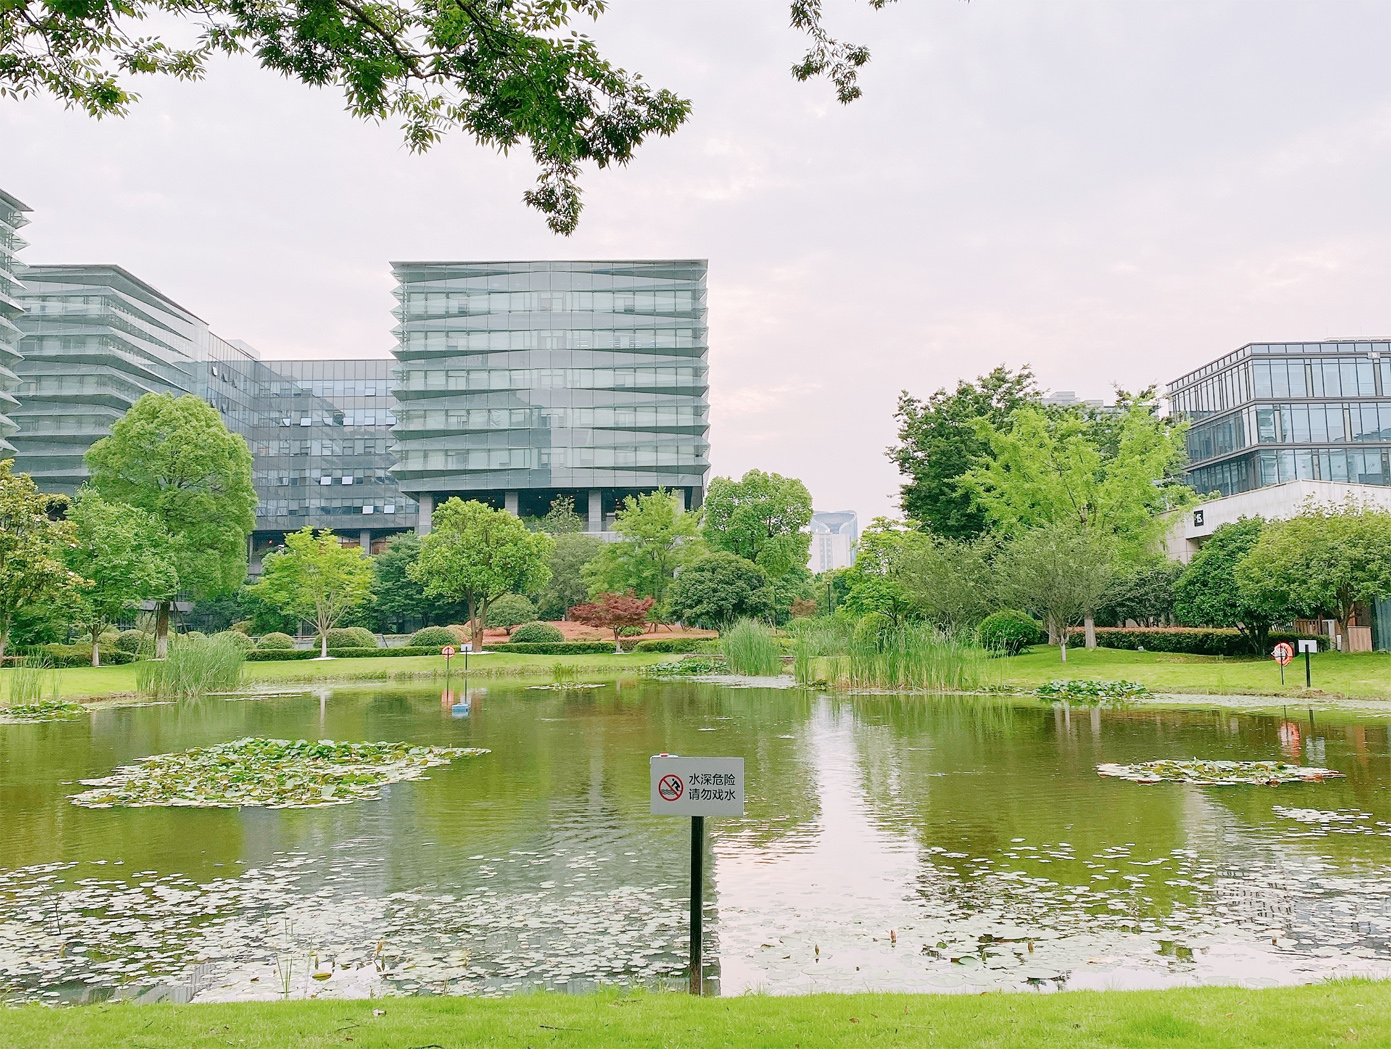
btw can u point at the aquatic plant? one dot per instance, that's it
(749, 647)
(275, 773)
(691, 665)
(1087, 692)
(916, 656)
(195, 666)
(43, 710)
(27, 679)
(1218, 773)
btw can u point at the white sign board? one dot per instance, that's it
(697, 786)
(1308, 645)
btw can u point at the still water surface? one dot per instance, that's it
(890, 843)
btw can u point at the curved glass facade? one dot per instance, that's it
(518, 382)
(12, 213)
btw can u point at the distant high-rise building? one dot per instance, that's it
(520, 382)
(12, 213)
(834, 534)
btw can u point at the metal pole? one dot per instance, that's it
(697, 890)
(1308, 681)
(446, 674)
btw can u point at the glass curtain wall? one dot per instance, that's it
(12, 212)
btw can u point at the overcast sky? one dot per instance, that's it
(1113, 192)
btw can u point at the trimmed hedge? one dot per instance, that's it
(435, 636)
(131, 640)
(237, 638)
(563, 648)
(351, 637)
(275, 641)
(1009, 631)
(1193, 641)
(536, 633)
(668, 644)
(342, 653)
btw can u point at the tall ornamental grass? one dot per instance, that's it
(195, 666)
(750, 648)
(27, 680)
(916, 657)
(817, 639)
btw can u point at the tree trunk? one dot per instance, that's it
(4, 637)
(617, 645)
(96, 650)
(476, 614)
(1091, 631)
(162, 630)
(1063, 649)
(1052, 631)
(323, 644)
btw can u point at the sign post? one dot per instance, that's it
(448, 652)
(1282, 655)
(1307, 646)
(697, 787)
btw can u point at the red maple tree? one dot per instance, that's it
(614, 612)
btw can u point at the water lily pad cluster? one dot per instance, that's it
(1218, 773)
(44, 710)
(691, 665)
(1086, 691)
(275, 773)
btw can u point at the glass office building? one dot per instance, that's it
(1276, 412)
(519, 382)
(12, 213)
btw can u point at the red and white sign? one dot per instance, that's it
(1283, 654)
(697, 786)
(447, 651)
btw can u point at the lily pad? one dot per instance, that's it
(44, 710)
(1218, 773)
(275, 773)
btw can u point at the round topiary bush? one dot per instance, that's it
(510, 610)
(352, 637)
(537, 634)
(194, 635)
(434, 637)
(871, 628)
(1009, 631)
(237, 638)
(132, 640)
(275, 642)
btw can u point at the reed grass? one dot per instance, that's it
(195, 666)
(916, 657)
(27, 678)
(750, 648)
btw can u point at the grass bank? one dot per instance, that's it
(1342, 1013)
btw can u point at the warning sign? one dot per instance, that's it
(697, 786)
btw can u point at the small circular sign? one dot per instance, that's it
(1283, 653)
(670, 788)
(447, 651)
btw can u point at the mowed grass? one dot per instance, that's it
(1364, 675)
(1334, 1014)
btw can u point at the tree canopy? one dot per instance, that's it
(656, 537)
(174, 458)
(568, 586)
(614, 612)
(719, 588)
(124, 552)
(1207, 593)
(1059, 571)
(33, 541)
(317, 578)
(761, 517)
(507, 74)
(475, 554)
(938, 441)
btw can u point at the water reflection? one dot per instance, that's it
(889, 843)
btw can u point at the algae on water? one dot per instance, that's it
(275, 773)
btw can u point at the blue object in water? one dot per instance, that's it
(459, 710)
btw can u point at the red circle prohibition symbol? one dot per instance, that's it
(670, 788)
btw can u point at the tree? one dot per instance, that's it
(505, 73)
(173, 457)
(719, 588)
(124, 552)
(1328, 558)
(949, 582)
(613, 612)
(1058, 571)
(872, 584)
(1117, 477)
(33, 540)
(1207, 593)
(475, 554)
(398, 602)
(1143, 592)
(656, 537)
(510, 610)
(561, 518)
(761, 517)
(568, 587)
(317, 578)
(938, 441)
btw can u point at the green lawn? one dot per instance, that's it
(1363, 676)
(1337, 1014)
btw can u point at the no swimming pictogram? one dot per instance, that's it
(670, 788)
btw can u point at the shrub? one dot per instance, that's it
(872, 628)
(538, 633)
(352, 637)
(80, 655)
(631, 631)
(195, 635)
(561, 648)
(275, 642)
(668, 644)
(750, 648)
(434, 637)
(1009, 631)
(272, 655)
(108, 638)
(242, 626)
(1195, 641)
(133, 640)
(236, 637)
(510, 610)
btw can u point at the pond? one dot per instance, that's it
(890, 843)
